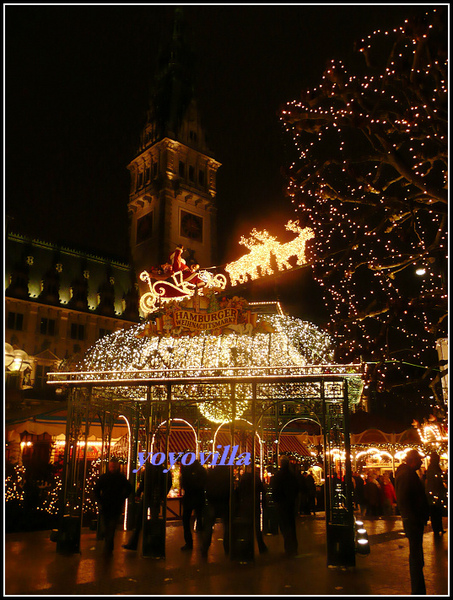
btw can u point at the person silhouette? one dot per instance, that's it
(217, 506)
(413, 506)
(285, 491)
(193, 482)
(436, 492)
(111, 491)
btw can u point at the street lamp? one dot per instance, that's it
(16, 360)
(9, 356)
(17, 366)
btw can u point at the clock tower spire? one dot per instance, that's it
(172, 199)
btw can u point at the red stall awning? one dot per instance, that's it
(289, 442)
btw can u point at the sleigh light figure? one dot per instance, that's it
(178, 286)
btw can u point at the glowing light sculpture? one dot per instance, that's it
(289, 342)
(266, 251)
(176, 287)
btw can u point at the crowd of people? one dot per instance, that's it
(375, 496)
(206, 500)
(415, 494)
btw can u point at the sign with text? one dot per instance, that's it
(206, 321)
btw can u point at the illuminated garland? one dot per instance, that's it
(14, 485)
(50, 502)
(90, 505)
(15, 491)
(433, 433)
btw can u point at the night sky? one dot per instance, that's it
(77, 90)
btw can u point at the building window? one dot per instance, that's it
(41, 376)
(15, 321)
(47, 326)
(144, 227)
(181, 168)
(103, 332)
(201, 177)
(191, 173)
(77, 331)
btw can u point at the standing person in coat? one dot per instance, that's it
(285, 491)
(217, 507)
(388, 496)
(436, 493)
(111, 491)
(246, 500)
(414, 510)
(157, 491)
(193, 482)
(359, 492)
(372, 495)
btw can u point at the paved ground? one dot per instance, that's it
(32, 566)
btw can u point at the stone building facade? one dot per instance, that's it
(59, 301)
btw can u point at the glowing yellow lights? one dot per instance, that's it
(81, 443)
(374, 453)
(288, 342)
(222, 411)
(267, 255)
(432, 433)
(177, 288)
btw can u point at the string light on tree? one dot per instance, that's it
(370, 179)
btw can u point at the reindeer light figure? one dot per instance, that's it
(263, 246)
(257, 262)
(296, 247)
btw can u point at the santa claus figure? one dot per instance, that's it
(176, 260)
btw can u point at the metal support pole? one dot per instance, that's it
(133, 446)
(339, 513)
(66, 456)
(68, 537)
(85, 451)
(231, 531)
(347, 447)
(153, 543)
(254, 507)
(326, 456)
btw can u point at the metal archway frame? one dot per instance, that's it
(322, 388)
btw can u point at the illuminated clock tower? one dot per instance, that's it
(172, 199)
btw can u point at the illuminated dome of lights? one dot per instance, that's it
(279, 341)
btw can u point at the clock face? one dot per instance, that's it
(191, 226)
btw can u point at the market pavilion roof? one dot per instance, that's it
(200, 364)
